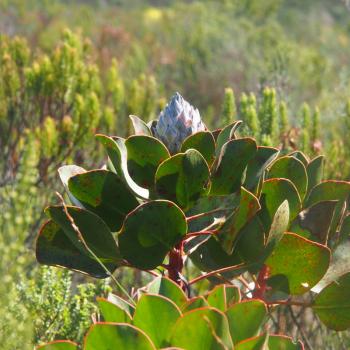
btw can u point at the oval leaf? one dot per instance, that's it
(169, 289)
(327, 191)
(183, 178)
(245, 319)
(93, 232)
(106, 336)
(112, 312)
(227, 175)
(156, 316)
(53, 247)
(140, 127)
(223, 296)
(264, 156)
(248, 207)
(150, 232)
(226, 134)
(66, 172)
(117, 154)
(202, 329)
(105, 194)
(145, 153)
(274, 192)
(315, 172)
(203, 142)
(292, 169)
(301, 263)
(332, 305)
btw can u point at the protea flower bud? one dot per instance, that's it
(177, 121)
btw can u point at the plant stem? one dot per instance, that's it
(260, 284)
(201, 215)
(289, 303)
(201, 233)
(176, 265)
(212, 273)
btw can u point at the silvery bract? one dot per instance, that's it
(178, 120)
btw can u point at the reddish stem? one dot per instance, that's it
(201, 215)
(176, 264)
(261, 284)
(201, 233)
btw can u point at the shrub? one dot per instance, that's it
(241, 213)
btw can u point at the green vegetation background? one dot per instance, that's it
(71, 68)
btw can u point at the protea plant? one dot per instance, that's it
(242, 213)
(176, 122)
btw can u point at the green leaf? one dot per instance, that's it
(105, 194)
(332, 305)
(144, 154)
(315, 222)
(257, 166)
(203, 142)
(95, 234)
(59, 245)
(224, 204)
(169, 289)
(223, 296)
(274, 192)
(227, 173)
(281, 342)
(106, 336)
(140, 127)
(156, 316)
(183, 178)
(246, 318)
(340, 265)
(53, 247)
(344, 233)
(65, 173)
(226, 134)
(300, 156)
(59, 345)
(250, 246)
(278, 227)
(121, 303)
(248, 207)
(194, 303)
(210, 256)
(256, 343)
(292, 169)
(112, 312)
(117, 154)
(302, 263)
(150, 232)
(199, 329)
(315, 172)
(327, 191)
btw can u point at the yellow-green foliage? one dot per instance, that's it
(228, 107)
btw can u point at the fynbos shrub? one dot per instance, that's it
(245, 214)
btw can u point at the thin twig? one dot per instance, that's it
(212, 273)
(201, 233)
(289, 303)
(300, 329)
(201, 215)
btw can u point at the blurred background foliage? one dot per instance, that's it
(69, 69)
